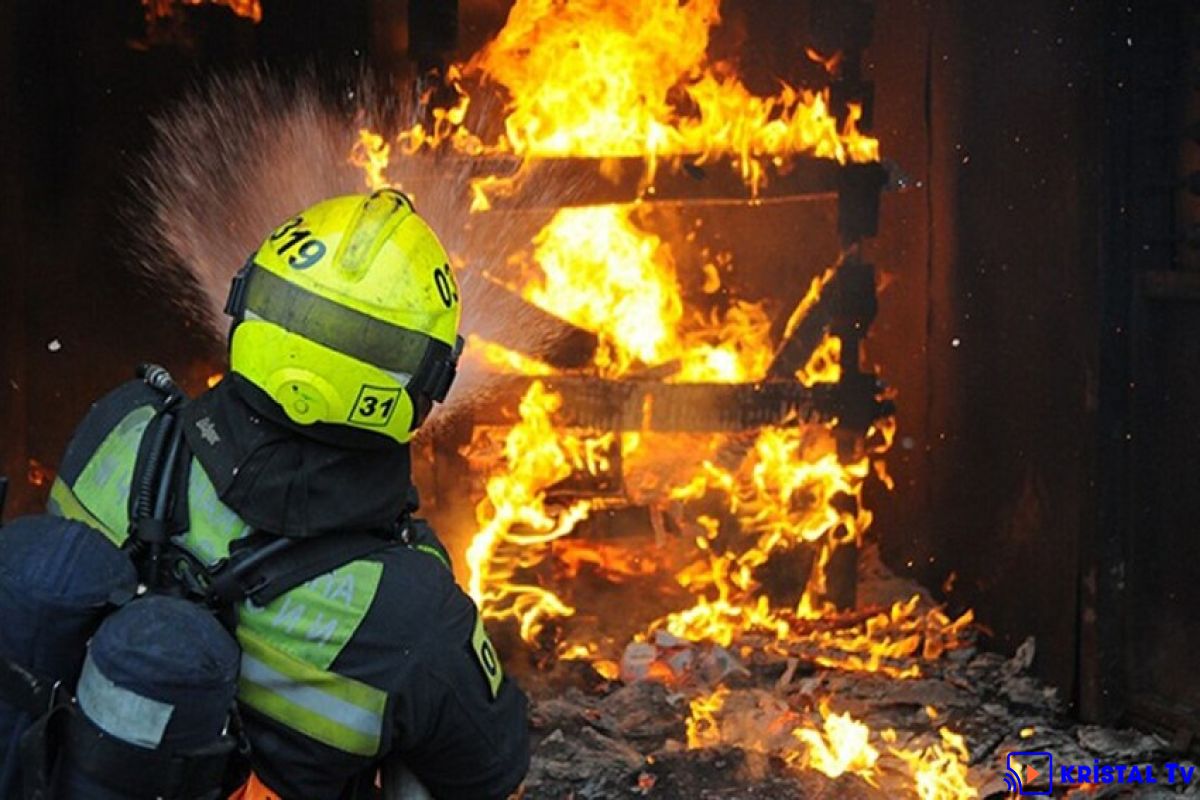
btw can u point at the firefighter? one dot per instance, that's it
(345, 333)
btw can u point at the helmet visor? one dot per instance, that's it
(418, 361)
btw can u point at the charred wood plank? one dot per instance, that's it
(847, 305)
(552, 183)
(560, 344)
(634, 405)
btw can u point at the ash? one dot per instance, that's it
(599, 738)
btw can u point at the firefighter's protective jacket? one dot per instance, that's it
(383, 655)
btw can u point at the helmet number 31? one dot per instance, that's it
(307, 249)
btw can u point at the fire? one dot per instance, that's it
(825, 364)
(371, 154)
(502, 358)
(614, 562)
(595, 268)
(514, 519)
(841, 746)
(616, 79)
(895, 635)
(940, 770)
(38, 474)
(703, 730)
(630, 78)
(158, 9)
(835, 746)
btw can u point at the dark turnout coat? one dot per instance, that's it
(383, 655)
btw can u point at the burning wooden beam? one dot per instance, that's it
(560, 344)
(643, 405)
(582, 181)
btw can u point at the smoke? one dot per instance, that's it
(241, 154)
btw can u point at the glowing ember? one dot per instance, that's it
(159, 9)
(38, 474)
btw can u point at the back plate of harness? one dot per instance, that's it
(260, 567)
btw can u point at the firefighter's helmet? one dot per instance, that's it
(348, 314)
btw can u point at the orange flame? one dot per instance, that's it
(838, 745)
(631, 78)
(514, 519)
(499, 357)
(598, 270)
(824, 365)
(940, 770)
(38, 474)
(596, 78)
(841, 746)
(371, 154)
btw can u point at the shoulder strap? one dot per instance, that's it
(155, 480)
(263, 573)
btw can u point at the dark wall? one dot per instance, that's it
(79, 91)
(1009, 482)
(989, 328)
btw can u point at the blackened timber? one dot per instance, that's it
(586, 181)
(560, 344)
(635, 405)
(847, 303)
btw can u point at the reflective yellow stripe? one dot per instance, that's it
(213, 525)
(65, 504)
(314, 621)
(332, 709)
(430, 550)
(486, 654)
(103, 486)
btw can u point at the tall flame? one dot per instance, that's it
(596, 268)
(631, 78)
(614, 79)
(598, 77)
(514, 519)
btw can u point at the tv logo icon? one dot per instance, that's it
(1020, 772)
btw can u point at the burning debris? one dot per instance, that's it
(779, 726)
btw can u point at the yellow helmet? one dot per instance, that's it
(348, 314)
